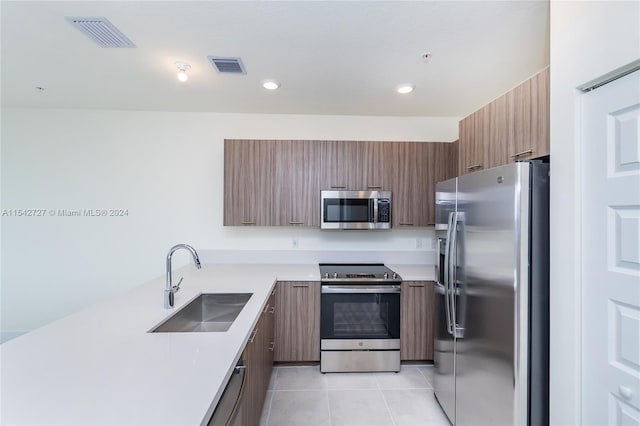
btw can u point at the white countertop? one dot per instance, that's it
(101, 366)
(414, 272)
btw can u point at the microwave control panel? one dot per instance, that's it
(384, 210)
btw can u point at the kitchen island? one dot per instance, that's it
(102, 366)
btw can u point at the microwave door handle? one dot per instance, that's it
(375, 210)
(447, 261)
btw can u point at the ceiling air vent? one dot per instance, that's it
(101, 31)
(227, 65)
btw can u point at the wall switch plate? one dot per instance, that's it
(419, 243)
(294, 243)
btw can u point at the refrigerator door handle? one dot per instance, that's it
(453, 249)
(447, 271)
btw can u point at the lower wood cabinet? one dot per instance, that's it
(297, 321)
(258, 358)
(416, 321)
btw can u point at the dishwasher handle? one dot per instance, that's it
(228, 409)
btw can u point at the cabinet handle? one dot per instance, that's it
(475, 166)
(522, 153)
(406, 224)
(416, 285)
(274, 291)
(266, 308)
(273, 310)
(374, 187)
(249, 223)
(253, 335)
(338, 187)
(300, 285)
(296, 223)
(272, 345)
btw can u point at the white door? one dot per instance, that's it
(611, 253)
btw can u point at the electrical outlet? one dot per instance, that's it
(433, 243)
(419, 243)
(294, 243)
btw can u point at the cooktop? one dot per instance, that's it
(352, 272)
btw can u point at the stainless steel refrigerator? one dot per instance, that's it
(491, 347)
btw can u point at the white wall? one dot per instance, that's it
(588, 39)
(167, 170)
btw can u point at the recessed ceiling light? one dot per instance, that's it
(405, 88)
(40, 89)
(182, 71)
(270, 84)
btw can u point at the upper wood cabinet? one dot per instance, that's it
(498, 133)
(337, 160)
(472, 143)
(278, 182)
(373, 166)
(297, 183)
(418, 167)
(248, 182)
(513, 127)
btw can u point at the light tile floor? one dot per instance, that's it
(302, 396)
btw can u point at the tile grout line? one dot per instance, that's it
(426, 378)
(386, 404)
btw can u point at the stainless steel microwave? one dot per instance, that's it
(355, 209)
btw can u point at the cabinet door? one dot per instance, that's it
(519, 120)
(252, 398)
(498, 139)
(434, 167)
(416, 320)
(539, 115)
(297, 183)
(454, 154)
(374, 166)
(404, 185)
(338, 165)
(528, 107)
(248, 182)
(270, 336)
(472, 142)
(297, 320)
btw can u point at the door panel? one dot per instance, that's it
(487, 250)
(443, 344)
(611, 281)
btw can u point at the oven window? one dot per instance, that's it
(360, 316)
(348, 210)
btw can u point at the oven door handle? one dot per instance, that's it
(360, 289)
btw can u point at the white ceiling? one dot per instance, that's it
(331, 57)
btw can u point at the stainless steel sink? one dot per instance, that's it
(206, 313)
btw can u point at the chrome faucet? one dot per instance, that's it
(171, 289)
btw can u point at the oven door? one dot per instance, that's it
(359, 312)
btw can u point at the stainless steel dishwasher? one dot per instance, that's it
(227, 412)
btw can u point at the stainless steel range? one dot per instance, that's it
(359, 318)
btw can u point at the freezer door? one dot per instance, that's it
(491, 311)
(443, 356)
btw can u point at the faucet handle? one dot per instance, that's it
(177, 287)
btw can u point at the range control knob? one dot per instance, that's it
(386, 275)
(335, 275)
(326, 275)
(395, 275)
